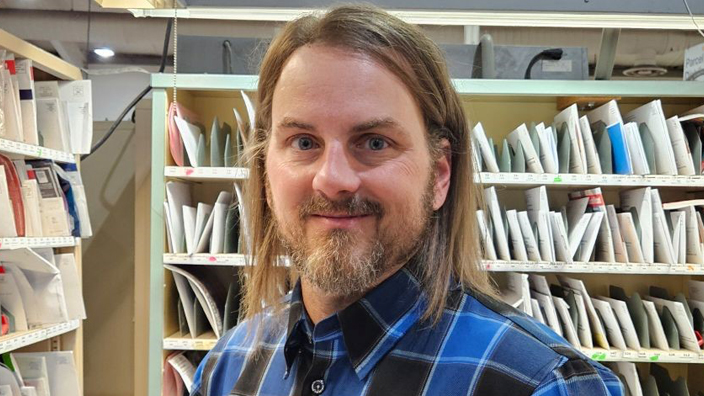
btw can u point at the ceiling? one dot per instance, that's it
(138, 41)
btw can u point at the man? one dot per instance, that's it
(361, 173)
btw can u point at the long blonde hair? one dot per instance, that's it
(452, 249)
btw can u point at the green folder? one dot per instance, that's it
(649, 147)
(232, 229)
(216, 144)
(603, 147)
(636, 310)
(228, 158)
(518, 159)
(670, 328)
(504, 160)
(564, 146)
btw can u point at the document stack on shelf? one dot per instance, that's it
(52, 114)
(599, 142)
(642, 229)
(656, 381)
(222, 148)
(202, 228)
(630, 324)
(40, 198)
(38, 288)
(39, 374)
(179, 372)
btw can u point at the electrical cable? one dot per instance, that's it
(692, 16)
(227, 57)
(552, 54)
(133, 103)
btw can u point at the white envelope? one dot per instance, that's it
(537, 312)
(529, 239)
(688, 339)
(613, 330)
(40, 285)
(519, 248)
(578, 160)
(548, 148)
(11, 300)
(655, 329)
(651, 114)
(63, 376)
(189, 227)
(597, 329)
(592, 155)
(539, 215)
(178, 194)
(628, 330)
(66, 263)
(9, 380)
(487, 239)
(546, 304)
(569, 330)
(520, 135)
(486, 150)
(184, 368)
(641, 200)
(77, 97)
(7, 225)
(204, 298)
(492, 202)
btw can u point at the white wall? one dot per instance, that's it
(111, 93)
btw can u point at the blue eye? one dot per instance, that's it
(376, 144)
(304, 143)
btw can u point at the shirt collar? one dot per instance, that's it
(370, 327)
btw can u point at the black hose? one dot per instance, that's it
(553, 53)
(133, 103)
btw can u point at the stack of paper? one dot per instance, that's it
(642, 229)
(618, 321)
(208, 303)
(179, 372)
(202, 228)
(38, 288)
(223, 147)
(599, 142)
(42, 199)
(47, 373)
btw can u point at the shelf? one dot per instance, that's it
(41, 59)
(37, 242)
(207, 342)
(206, 173)
(646, 355)
(575, 180)
(18, 340)
(472, 87)
(444, 17)
(592, 267)
(177, 342)
(20, 150)
(231, 260)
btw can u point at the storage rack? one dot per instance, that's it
(500, 105)
(66, 336)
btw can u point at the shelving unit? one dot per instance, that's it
(65, 336)
(500, 105)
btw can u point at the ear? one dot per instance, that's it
(443, 171)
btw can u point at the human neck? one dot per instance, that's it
(319, 304)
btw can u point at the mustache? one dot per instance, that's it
(352, 206)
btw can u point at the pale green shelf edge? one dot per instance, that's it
(644, 88)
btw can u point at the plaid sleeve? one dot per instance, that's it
(578, 377)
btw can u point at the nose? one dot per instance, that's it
(336, 177)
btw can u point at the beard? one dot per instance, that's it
(342, 262)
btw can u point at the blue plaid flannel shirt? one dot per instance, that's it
(379, 346)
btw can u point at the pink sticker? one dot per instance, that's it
(189, 171)
(212, 259)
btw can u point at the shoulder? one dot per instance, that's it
(222, 366)
(514, 347)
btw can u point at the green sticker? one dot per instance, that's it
(599, 356)
(558, 179)
(654, 358)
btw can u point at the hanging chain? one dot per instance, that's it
(175, 47)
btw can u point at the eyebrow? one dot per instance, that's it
(387, 122)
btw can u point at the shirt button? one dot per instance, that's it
(318, 386)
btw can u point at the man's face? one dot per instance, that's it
(350, 178)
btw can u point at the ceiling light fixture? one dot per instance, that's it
(104, 52)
